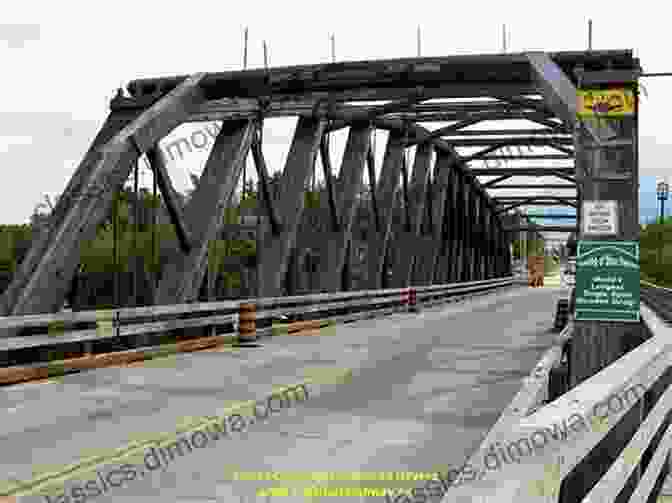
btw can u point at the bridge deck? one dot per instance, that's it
(424, 391)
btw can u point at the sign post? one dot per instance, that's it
(607, 265)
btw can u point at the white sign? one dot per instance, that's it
(600, 218)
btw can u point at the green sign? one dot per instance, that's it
(607, 281)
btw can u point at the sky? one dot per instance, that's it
(64, 61)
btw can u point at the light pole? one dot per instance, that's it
(663, 191)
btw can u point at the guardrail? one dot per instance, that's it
(92, 327)
(608, 439)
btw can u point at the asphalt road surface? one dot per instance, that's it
(404, 393)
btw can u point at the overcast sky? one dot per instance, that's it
(63, 61)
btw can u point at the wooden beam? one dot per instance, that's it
(386, 191)
(429, 267)
(51, 277)
(505, 132)
(444, 131)
(274, 257)
(265, 183)
(75, 190)
(537, 186)
(329, 178)
(408, 241)
(371, 170)
(533, 141)
(495, 181)
(173, 205)
(183, 276)
(318, 103)
(336, 244)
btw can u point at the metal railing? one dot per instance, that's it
(94, 326)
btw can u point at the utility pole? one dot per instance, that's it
(265, 56)
(590, 34)
(419, 38)
(333, 48)
(245, 50)
(503, 38)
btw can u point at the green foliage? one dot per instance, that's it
(550, 265)
(655, 245)
(533, 247)
(14, 244)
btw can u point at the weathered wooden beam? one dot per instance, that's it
(428, 71)
(563, 172)
(386, 191)
(489, 251)
(444, 131)
(57, 262)
(557, 146)
(156, 161)
(75, 190)
(462, 201)
(371, 171)
(539, 197)
(183, 276)
(408, 242)
(329, 179)
(274, 256)
(428, 268)
(332, 104)
(534, 157)
(481, 153)
(537, 186)
(491, 183)
(504, 132)
(335, 244)
(532, 141)
(446, 270)
(265, 183)
(419, 132)
(470, 234)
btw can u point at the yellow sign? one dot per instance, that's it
(605, 103)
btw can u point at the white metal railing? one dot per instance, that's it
(574, 425)
(113, 323)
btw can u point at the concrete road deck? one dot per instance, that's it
(424, 390)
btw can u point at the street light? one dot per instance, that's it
(663, 191)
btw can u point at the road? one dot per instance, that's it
(404, 393)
